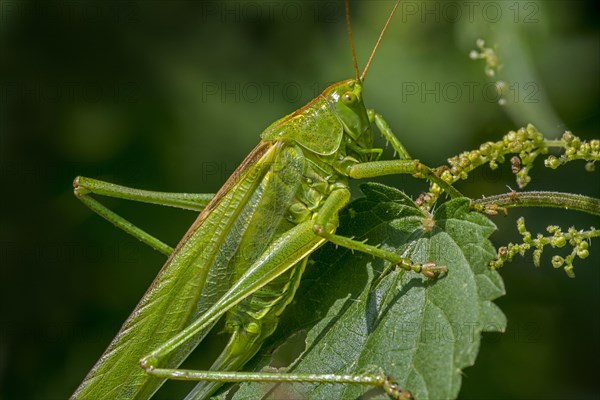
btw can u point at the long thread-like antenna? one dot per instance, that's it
(351, 41)
(362, 76)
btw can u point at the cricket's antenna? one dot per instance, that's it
(351, 41)
(362, 77)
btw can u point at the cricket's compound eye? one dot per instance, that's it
(349, 98)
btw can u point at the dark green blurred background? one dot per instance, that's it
(172, 95)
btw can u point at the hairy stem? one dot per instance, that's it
(512, 199)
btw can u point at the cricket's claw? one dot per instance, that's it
(430, 270)
(394, 391)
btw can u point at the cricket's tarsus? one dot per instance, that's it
(395, 391)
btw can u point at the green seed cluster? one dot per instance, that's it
(527, 142)
(577, 239)
(575, 149)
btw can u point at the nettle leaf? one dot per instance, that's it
(422, 332)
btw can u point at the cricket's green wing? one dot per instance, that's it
(269, 228)
(193, 278)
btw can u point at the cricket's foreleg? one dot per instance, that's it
(430, 270)
(405, 164)
(387, 133)
(415, 168)
(324, 226)
(83, 187)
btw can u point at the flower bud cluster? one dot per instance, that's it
(577, 239)
(575, 149)
(527, 142)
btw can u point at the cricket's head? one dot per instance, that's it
(345, 98)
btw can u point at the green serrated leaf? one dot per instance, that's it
(421, 332)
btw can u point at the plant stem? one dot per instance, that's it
(512, 199)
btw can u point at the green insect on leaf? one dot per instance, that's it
(243, 258)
